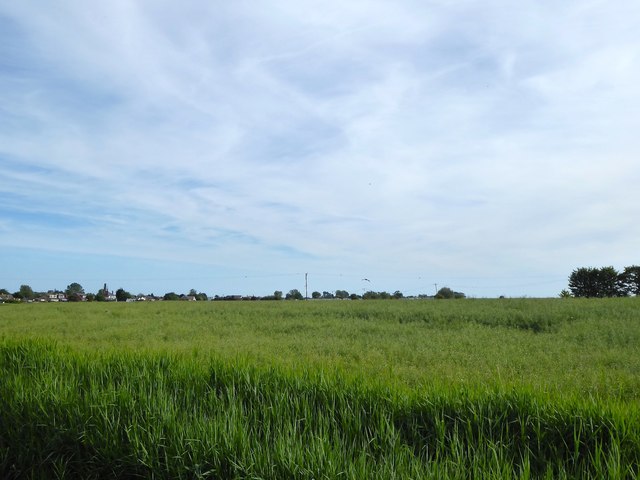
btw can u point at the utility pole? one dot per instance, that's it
(306, 296)
(436, 285)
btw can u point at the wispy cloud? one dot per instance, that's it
(410, 139)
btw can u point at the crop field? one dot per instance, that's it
(406, 389)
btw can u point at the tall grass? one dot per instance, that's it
(288, 390)
(70, 414)
(589, 347)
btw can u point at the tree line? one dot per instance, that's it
(76, 293)
(603, 282)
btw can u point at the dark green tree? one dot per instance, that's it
(75, 297)
(171, 296)
(316, 295)
(342, 294)
(74, 288)
(592, 282)
(583, 282)
(25, 292)
(294, 295)
(122, 295)
(610, 283)
(447, 293)
(630, 280)
(277, 295)
(74, 292)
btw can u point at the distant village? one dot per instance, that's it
(75, 293)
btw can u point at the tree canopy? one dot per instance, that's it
(294, 295)
(342, 294)
(602, 282)
(74, 288)
(122, 295)
(25, 292)
(74, 292)
(630, 279)
(447, 293)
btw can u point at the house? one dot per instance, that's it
(56, 297)
(6, 297)
(108, 296)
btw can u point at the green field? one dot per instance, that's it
(504, 388)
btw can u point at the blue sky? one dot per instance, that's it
(231, 147)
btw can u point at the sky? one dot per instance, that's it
(231, 147)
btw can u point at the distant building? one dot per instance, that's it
(6, 297)
(107, 295)
(56, 297)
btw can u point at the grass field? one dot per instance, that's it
(321, 389)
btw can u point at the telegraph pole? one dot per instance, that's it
(306, 296)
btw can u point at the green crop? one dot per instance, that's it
(395, 389)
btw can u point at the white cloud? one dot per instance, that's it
(456, 138)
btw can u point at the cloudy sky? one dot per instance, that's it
(489, 146)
